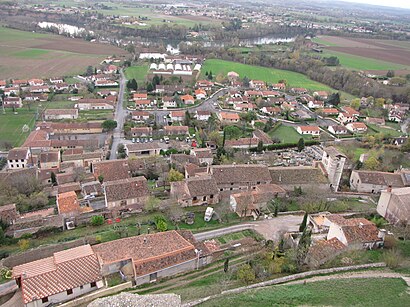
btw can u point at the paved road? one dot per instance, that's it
(270, 229)
(120, 114)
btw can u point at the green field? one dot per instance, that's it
(345, 292)
(287, 134)
(269, 75)
(11, 126)
(322, 41)
(361, 63)
(384, 130)
(138, 72)
(31, 53)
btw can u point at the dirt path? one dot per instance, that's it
(363, 274)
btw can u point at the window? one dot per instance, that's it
(93, 284)
(44, 299)
(69, 291)
(195, 198)
(81, 287)
(22, 160)
(153, 277)
(212, 196)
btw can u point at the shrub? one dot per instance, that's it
(392, 258)
(24, 244)
(97, 220)
(246, 273)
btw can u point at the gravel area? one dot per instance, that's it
(126, 299)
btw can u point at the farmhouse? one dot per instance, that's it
(57, 114)
(394, 205)
(337, 129)
(18, 158)
(195, 191)
(308, 130)
(45, 281)
(374, 182)
(187, 99)
(126, 194)
(228, 117)
(149, 257)
(141, 131)
(140, 115)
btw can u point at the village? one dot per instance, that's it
(139, 182)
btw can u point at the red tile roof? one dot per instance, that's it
(67, 202)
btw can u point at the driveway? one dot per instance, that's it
(270, 229)
(120, 114)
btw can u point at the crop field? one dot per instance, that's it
(373, 55)
(270, 75)
(27, 55)
(349, 292)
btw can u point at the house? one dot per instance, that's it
(149, 257)
(140, 115)
(270, 110)
(251, 203)
(143, 149)
(399, 141)
(187, 99)
(111, 170)
(396, 116)
(195, 191)
(12, 102)
(176, 130)
(308, 130)
(169, 102)
(141, 131)
(177, 116)
(257, 84)
(200, 94)
(93, 188)
(337, 129)
(345, 117)
(298, 91)
(143, 103)
(61, 128)
(68, 204)
(333, 162)
(374, 182)
(329, 112)
(204, 155)
(193, 170)
(289, 105)
(110, 69)
(253, 93)
(267, 94)
(126, 194)
(394, 205)
(3, 84)
(316, 104)
(140, 96)
(105, 83)
(322, 95)
(35, 82)
(205, 85)
(375, 121)
(18, 158)
(56, 80)
(305, 177)
(60, 87)
(11, 91)
(244, 107)
(49, 159)
(203, 115)
(323, 251)
(19, 82)
(228, 117)
(232, 178)
(358, 127)
(39, 89)
(62, 277)
(356, 233)
(57, 114)
(180, 160)
(83, 159)
(279, 86)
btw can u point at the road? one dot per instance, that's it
(270, 229)
(120, 114)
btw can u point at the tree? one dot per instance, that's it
(226, 265)
(89, 71)
(216, 137)
(152, 204)
(302, 226)
(53, 178)
(232, 132)
(109, 125)
(161, 223)
(303, 246)
(156, 80)
(187, 118)
(121, 151)
(301, 144)
(97, 220)
(390, 74)
(210, 76)
(269, 125)
(134, 84)
(333, 99)
(174, 175)
(246, 273)
(245, 81)
(101, 178)
(355, 103)
(371, 164)
(259, 148)
(150, 87)
(24, 244)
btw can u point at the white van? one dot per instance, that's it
(208, 214)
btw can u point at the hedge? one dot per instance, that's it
(285, 145)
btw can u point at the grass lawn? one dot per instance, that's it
(138, 72)
(11, 126)
(235, 236)
(387, 131)
(60, 104)
(287, 134)
(361, 63)
(270, 75)
(353, 292)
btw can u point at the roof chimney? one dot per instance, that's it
(145, 240)
(360, 225)
(389, 188)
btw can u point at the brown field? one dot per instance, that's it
(390, 51)
(27, 55)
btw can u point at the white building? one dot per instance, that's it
(18, 158)
(334, 162)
